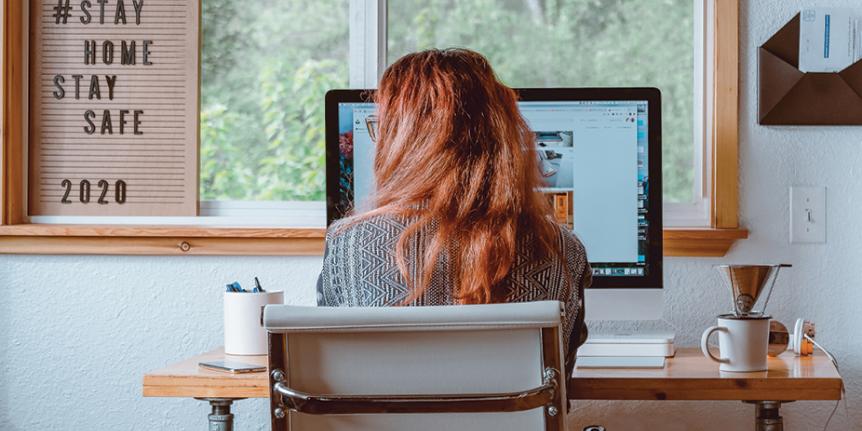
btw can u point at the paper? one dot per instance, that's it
(828, 40)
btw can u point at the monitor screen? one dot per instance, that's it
(594, 156)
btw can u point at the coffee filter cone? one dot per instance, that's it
(748, 284)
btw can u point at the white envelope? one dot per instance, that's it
(828, 40)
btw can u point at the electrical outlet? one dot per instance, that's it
(807, 215)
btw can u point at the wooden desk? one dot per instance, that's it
(687, 376)
(187, 379)
(690, 376)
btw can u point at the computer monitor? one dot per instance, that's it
(600, 156)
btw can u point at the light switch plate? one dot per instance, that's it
(807, 215)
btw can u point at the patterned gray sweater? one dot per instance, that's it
(360, 270)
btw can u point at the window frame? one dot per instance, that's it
(703, 236)
(696, 212)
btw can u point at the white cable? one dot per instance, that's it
(835, 363)
(828, 355)
(829, 419)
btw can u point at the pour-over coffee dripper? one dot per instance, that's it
(748, 283)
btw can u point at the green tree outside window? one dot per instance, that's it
(268, 63)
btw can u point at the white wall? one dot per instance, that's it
(76, 333)
(824, 283)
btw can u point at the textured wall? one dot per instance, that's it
(77, 332)
(88, 327)
(824, 283)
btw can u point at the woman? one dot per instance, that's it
(456, 218)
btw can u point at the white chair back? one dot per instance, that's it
(491, 367)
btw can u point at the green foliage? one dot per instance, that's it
(573, 43)
(293, 115)
(268, 63)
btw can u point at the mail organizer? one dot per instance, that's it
(791, 97)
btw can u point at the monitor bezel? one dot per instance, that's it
(654, 260)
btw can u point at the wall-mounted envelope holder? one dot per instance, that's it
(791, 97)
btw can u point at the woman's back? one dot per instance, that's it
(360, 268)
(456, 215)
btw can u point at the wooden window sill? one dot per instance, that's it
(207, 240)
(160, 240)
(700, 242)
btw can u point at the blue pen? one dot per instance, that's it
(235, 287)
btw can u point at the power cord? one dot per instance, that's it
(838, 369)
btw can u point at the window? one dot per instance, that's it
(266, 65)
(577, 43)
(259, 144)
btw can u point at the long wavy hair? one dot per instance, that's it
(454, 152)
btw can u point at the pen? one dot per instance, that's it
(257, 287)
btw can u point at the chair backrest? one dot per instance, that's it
(467, 367)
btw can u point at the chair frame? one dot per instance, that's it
(550, 394)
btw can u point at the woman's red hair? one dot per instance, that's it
(454, 151)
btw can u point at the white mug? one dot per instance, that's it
(243, 334)
(742, 342)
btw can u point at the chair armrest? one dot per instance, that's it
(469, 403)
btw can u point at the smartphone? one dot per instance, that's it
(235, 367)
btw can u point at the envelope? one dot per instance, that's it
(790, 97)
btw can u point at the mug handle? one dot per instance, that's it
(704, 344)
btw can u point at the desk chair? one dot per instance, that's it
(495, 367)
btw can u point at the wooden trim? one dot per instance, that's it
(159, 240)
(162, 246)
(12, 174)
(701, 242)
(725, 137)
(193, 240)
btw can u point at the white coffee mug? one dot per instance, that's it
(243, 334)
(742, 342)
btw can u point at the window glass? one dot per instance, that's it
(573, 43)
(266, 65)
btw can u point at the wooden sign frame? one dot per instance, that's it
(114, 107)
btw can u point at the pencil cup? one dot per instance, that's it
(243, 334)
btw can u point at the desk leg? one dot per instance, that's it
(766, 415)
(221, 418)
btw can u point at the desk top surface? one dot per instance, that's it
(187, 379)
(687, 376)
(691, 376)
